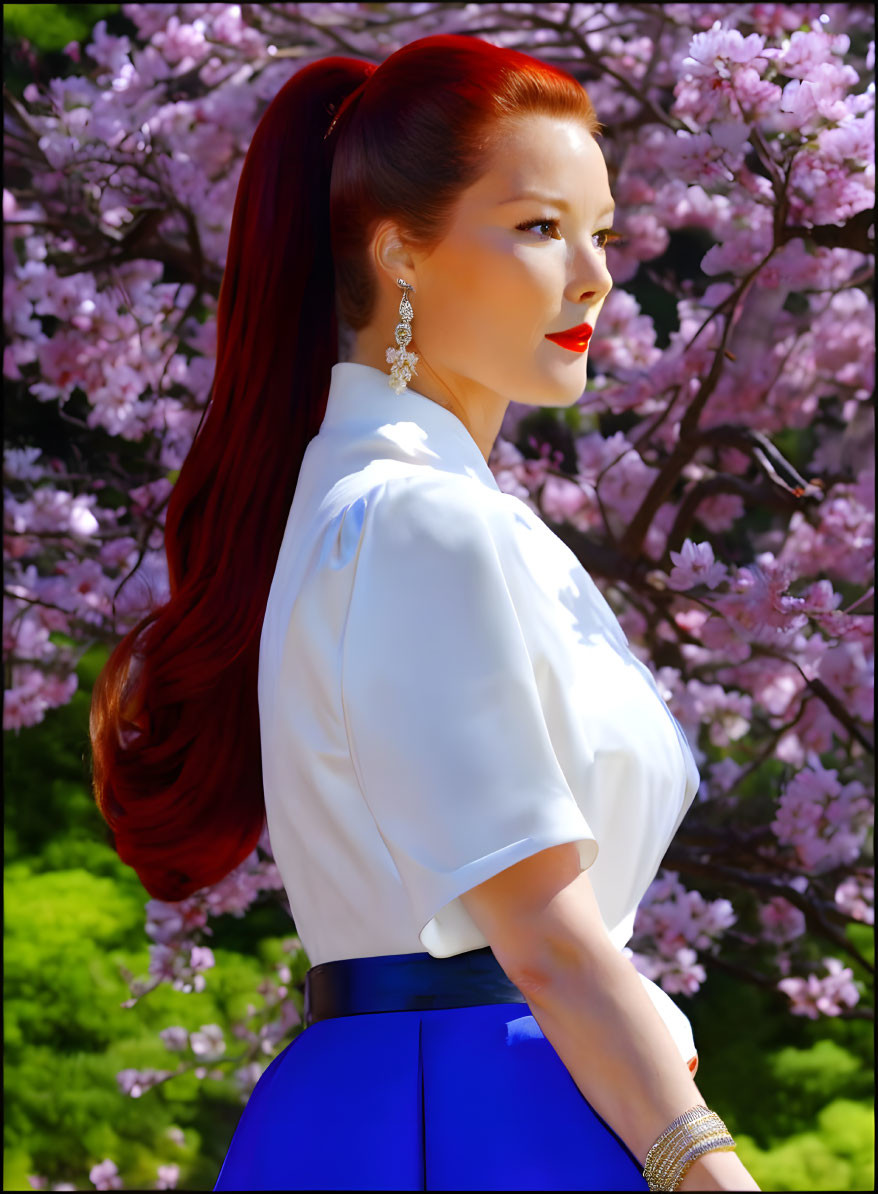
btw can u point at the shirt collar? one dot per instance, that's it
(412, 425)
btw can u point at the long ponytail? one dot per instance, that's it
(174, 720)
(174, 726)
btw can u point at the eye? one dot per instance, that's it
(538, 223)
(609, 237)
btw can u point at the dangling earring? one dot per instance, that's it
(403, 362)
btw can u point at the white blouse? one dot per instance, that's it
(443, 692)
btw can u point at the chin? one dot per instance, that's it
(567, 389)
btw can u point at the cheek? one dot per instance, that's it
(493, 292)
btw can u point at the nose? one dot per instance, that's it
(590, 279)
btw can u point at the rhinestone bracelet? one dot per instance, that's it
(668, 1163)
(719, 1144)
(671, 1175)
(699, 1128)
(671, 1137)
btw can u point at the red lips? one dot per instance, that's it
(576, 339)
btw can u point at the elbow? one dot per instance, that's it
(541, 919)
(550, 960)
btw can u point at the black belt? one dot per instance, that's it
(406, 982)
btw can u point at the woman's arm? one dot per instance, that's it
(543, 924)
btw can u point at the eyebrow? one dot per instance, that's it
(610, 207)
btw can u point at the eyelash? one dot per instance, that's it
(610, 236)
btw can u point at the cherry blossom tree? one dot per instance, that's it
(716, 479)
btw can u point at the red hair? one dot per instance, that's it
(177, 766)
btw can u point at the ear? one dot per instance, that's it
(390, 255)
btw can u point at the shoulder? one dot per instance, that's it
(448, 511)
(420, 534)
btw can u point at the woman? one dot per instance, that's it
(468, 777)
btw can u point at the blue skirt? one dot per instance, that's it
(448, 1098)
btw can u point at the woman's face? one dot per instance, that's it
(487, 296)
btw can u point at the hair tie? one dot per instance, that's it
(345, 104)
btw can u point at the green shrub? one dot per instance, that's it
(52, 26)
(837, 1155)
(67, 1037)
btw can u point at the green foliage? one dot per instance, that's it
(53, 26)
(68, 934)
(837, 1155)
(796, 1094)
(34, 37)
(47, 770)
(809, 1077)
(74, 922)
(66, 1113)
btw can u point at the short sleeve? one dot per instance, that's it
(444, 720)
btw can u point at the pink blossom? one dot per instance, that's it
(728, 713)
(755, 98)
(168, 1176)
(820, 597)
(625, 342)
(723, 78)
(775, 685)
(806, 50)
(154, 493)
(246, 1078)
(822, 189)
(645, 235)
(720, 511)
(208, 1042)
(856, 898)
(147, 588)
(51, 509)
(201, 958)
(824, 820)
(105, 1176)
(613, 468)
(127, 1080)
(175, 1038)
(842, 542)
(724, 774)
(812, 996)
(719, 50)
(846, 671)
(134, 1083)
(506, 461)
(164, 921)
(561, 499)
(844, 342)
(820, 97)
(691, 205)
(694, 565)
(757, 605)
(781, 921)
(679, 922)
(739, 252)
(707, 157)
(19, 463)
(685, 976)
(31, 694)
(163, 962)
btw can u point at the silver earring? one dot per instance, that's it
(403, 362)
